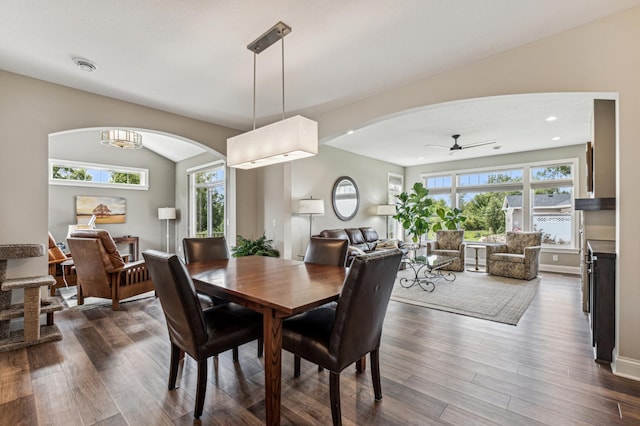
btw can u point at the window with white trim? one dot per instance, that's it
(66, 172)
(525, 197)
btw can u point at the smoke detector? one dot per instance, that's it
(84, 64)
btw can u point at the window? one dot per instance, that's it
(64, 172)
(529, 197)
(394, 184)
(208, 201)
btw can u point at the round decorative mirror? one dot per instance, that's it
(345, 198)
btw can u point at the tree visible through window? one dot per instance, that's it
(63, 172)
(209, 202)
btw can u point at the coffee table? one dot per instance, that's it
(427, 270)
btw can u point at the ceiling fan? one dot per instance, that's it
(456, 147)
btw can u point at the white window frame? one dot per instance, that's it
(191, 177)
(142, 186)
(526, 187)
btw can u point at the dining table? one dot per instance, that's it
(278, 288)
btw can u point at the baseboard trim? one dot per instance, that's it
(626, 367)
(575, 270)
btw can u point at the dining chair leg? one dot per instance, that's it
(375, 374)
(173, 367)
(361, 364)
(201, 388)
(260, 347)
(334, 396)
(296, 366)
(235, 353)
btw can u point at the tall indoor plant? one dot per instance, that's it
(414, 210)
(449, 219)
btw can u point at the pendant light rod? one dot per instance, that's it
(275, 33)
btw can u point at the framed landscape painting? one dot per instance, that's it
(105, 209)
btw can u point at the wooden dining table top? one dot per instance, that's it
(286, 286)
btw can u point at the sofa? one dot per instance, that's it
(362, 240)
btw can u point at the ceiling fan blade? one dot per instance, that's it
(438, 146)
(473, 145)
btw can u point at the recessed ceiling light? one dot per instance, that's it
(420, 158)
(350, 132)
(551, 118)
(557, 138)
(84, 64)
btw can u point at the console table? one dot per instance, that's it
(133, 245)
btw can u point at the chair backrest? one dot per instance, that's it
(179, 301)
(109, 253)
(362, 305)
(449, 239)
(327, 251)
(203, 249)
(517, 241)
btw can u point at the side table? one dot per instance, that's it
(477, 248)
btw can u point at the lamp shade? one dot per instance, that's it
(286, 140)
(311, 206)
(166, 213)
(386, 210)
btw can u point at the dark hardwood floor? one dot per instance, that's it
(111, 368)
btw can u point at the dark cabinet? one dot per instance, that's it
(602, 291)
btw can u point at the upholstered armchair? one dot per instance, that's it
(518, 258)
(101, 270)
(449, 243)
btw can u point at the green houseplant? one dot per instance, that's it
(258, 247)
(449, 219)
(414, 210)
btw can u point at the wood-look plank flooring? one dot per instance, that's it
(437, 368)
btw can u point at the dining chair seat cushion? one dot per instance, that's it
(227, 325)
(308, 334)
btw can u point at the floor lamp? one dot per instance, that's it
(312, 207)
(386, 210)
(167, 213)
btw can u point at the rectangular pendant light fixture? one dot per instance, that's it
(285, 140)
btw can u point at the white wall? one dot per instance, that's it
(598, 57)
(315, 177)
(141, 214)
(31, 110)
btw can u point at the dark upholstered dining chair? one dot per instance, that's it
(324, 251)
(202, 250)
(327, 251)
(201, 334)
(336, 338)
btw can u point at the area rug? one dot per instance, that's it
(476, 295)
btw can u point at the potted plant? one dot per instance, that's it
(259, 247)
(449, 219)
(414, 211)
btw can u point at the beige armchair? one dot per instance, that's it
(101, 270)
(518, 258)
(449, 243)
